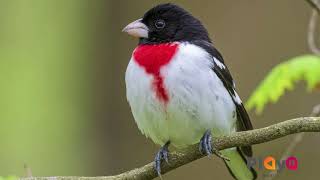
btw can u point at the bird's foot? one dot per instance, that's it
(161, 155)
(205, 146)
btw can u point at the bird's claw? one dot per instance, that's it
(162, 154)
(205, 146)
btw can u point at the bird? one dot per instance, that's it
(180, 90)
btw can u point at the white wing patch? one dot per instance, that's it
(236, 97)
(219, 64)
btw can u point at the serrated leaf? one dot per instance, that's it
(283, 77)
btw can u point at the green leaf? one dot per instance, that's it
(9, 178)
(283, 77)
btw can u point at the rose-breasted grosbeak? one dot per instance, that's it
(180, 90)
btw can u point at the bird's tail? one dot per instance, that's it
(238, 165)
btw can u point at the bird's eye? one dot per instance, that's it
(160, 24)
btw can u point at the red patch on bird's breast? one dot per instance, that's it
(152, 58)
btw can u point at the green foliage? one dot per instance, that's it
(9, 178)
(283, 77)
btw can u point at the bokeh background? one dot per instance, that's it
(63, 109)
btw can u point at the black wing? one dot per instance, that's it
(243, 123)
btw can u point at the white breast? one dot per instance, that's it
(198, 100)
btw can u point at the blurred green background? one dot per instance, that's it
(63, 109)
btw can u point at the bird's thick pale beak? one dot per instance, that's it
(137, 29)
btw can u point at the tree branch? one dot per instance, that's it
(185, 156)
(314, 5)
(294, 143)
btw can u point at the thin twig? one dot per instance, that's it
(311, 33)
(185, 156)
(314, 5)
(312, 28)
(27, 171)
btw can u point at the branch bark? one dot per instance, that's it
(185, 156)
(294, 143)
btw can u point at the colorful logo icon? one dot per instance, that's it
(292, 163)
(269, 163)
(272, 164)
